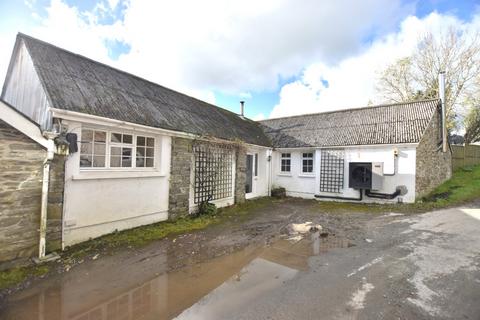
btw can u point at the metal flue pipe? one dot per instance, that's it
(441, 95)
(242, 108)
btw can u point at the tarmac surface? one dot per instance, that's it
(352, 266)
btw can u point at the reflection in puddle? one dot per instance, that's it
(206, 290)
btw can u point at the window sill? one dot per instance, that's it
(306, 175)
(117, 175)
(284, 174)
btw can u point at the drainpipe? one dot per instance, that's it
(269, 170)
(44, 205)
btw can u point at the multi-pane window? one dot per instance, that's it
(307, 162)
(121, 146)
(92, 150)
(145, 151)
(102, 149)
(285, 162)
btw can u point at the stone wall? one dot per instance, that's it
(21, 175)
(55, 204)
(180, 174)
(432, 165)
(21, 171)
(180, 168)
(240, 174)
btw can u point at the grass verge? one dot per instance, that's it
(11, 277)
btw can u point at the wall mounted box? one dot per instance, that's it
(365, 175)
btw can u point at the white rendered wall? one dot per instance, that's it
(100, 201)
(300, 185)
(297, 183)
(260, 187)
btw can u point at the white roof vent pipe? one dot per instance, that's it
(242, 109)
(441, 95)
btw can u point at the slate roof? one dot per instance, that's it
(383, 124)
(76, 83)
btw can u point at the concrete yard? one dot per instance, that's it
(356, 266)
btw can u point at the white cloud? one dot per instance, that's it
(245, 95)
(113, 3)
(228, 46)
(259, 117)
(351, 82)
(198, 47)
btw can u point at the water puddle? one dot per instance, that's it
(207, 290)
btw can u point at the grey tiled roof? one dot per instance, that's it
(385, 124)
(76, 83)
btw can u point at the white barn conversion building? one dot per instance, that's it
(140, 153)
(326, 155)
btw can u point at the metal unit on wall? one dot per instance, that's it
(365, 175)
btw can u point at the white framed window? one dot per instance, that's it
(145, 152)
(307, 162)
(93, 149)
(285, 162)
(114, 150)
(121, 147)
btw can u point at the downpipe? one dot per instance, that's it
(44, 204)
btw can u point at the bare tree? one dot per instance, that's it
(472, 124)
(416, 77)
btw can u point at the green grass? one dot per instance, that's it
(464, 186)
(14, 276)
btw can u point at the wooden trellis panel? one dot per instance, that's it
(213, 172)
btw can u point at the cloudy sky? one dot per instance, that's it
(283, 57)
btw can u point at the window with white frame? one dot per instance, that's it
(285, 162)
(93, 149)
(307, 162)
(145, 151)
(103, 149)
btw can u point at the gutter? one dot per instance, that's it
(125, 125)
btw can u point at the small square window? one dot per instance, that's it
(100, 136)
(127, 138)
(150, 142)
(140, 141)
(116, 137)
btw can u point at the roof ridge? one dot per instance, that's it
(351, 109)
(23, 35)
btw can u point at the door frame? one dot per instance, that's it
(252, 170)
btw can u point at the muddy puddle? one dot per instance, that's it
(207, 290)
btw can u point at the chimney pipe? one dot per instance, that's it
(242, 108)
(441, 95)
